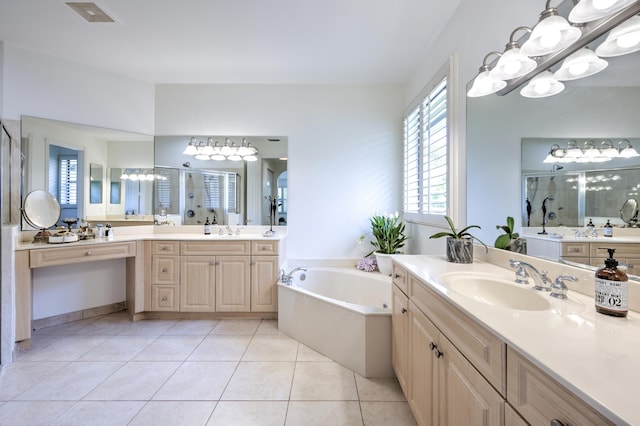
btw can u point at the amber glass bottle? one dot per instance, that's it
(612, 292)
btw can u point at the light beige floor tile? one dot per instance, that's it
(387, 413)
(184, 327)
(323, 381)
(305, 353)
(322, 413)
(179, 413)
(266, 381)
(18, 377)
(66, 348)
(233, 326)
(269, 327)
(119, 348)
(197, 381)
(271, 348)
(100, 413)
(249, 413)
(135, 381)
(221, 348)
(70, 383)
(110, 324)
(32, 413)
(387, 389)
(148, 327)
(170, 348)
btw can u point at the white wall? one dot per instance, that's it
(477, 28)
(345, 148)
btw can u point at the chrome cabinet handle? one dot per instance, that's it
(164, 298)
(214, 263)
(396, 276)
(404, 310)
(164, 269)
(556, 422)
(88, 253)
(438, 353)
(432, 346)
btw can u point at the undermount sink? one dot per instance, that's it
(495, 291)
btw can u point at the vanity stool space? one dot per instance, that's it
(176, 276)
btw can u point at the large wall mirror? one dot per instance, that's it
(191, 190)
(73, 162)
(601, 107)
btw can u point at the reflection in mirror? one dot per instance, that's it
(231, 192)
(95, 184)
(45, 143)
(114, 185)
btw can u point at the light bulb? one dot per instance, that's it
(578, 68)
(542, 86)
(628, 40)
(512, 68)
(550, 39)
(603, 4)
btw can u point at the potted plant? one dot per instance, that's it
(459, 243)
(510, 240)
(388, 238)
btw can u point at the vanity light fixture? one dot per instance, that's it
(590, 10)
(140, 175)
(542, 85)
(622, 40)
(513, 63)
(590, 153)
(580, 64)
(550, 34)
(214, 151)
(484, 84)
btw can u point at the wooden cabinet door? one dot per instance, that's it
(422, 376)
(233, 284)
(464, 396)
(264, 284)
(400, 336)
(197, 284)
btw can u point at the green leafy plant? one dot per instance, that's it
(388, 234)
(503, 240)
(458, 234)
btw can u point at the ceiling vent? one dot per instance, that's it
(90, 12)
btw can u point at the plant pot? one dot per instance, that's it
(459, 250)
(518, 245)
(384, 263)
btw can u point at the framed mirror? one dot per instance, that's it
(45, 143)
(232, 192)
(95, 183)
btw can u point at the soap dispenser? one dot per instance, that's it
(611, 285)
(590, 225)
(608, 229)
(207, 227)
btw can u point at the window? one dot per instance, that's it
(68, 169)
(426, 152)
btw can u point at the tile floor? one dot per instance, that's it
(110, 371)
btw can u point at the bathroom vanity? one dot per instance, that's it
(473, 358)
(169, 274)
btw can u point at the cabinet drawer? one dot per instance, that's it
(539, 399)
(165, 247)
(165, 298)
(622, 250)
(575, 249)
(264, 247)
(81, 253)
(399, 277)
(189, 248)
(482, 348)
(165, 270)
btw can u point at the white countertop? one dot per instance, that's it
(595, 356)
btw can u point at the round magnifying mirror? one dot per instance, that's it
(41, 210)
(629, 211)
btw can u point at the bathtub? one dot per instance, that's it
(343, 313)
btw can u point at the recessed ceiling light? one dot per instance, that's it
(90, 12)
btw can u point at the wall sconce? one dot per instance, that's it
(513, 63)
(141, 175)
(553, 40)
(484, 84)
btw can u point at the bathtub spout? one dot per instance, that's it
(288, 278)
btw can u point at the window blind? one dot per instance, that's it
(68, 169)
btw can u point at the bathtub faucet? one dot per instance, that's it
(288, 278)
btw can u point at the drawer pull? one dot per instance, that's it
(556, 422)
(164, 248)
(432, 346)
(396, 276)
(438, 353)
(164, 269)
(404, 310)
(264, 248)
(164, 298)
(88, 253)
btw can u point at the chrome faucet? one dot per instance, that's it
(525, 270)
(288, 278)
(559, 288)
